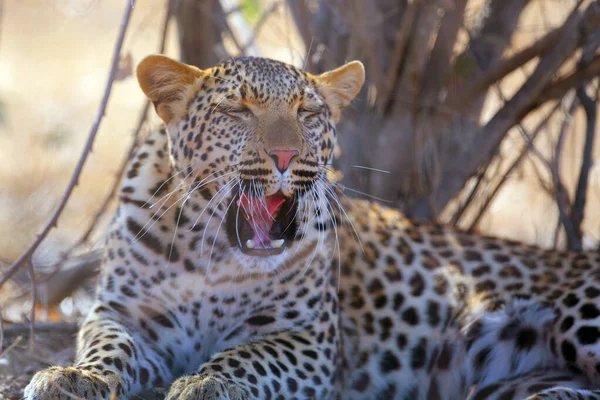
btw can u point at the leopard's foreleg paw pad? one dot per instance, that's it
(204, 388)
(67, 383)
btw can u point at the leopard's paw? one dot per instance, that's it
(203, 387)
(68, 383)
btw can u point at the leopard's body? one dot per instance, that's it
(359, 303)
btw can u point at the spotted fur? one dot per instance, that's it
(360, 302)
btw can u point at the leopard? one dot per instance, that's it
(237, 267)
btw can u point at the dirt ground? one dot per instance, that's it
(52, 347)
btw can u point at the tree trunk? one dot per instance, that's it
(200, 25)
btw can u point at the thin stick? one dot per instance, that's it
(53, 220)
(31, 271)
(578, 208)
(400, 43)
(257, 28)
(554, 168)
(528, 146)
(474, 89)
(130, 152)
(1, 331)
(12, 346)
(42, 327)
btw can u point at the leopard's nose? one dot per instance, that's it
(283, 158)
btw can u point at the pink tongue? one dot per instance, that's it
(259, 212)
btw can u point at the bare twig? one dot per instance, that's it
(539, 48)
(477, 87)
(563, 205)
(528, 146)
(227, 29)
(42, 327)
(400, 43)
(300, 13)
(257, 28)
(66, 277)
(557, 190)
(577, 210)
(472, 195)
(1, 19)
(130, 151)
(53, 220)
(558, 88)
(570, 216)
(118, 176)
(529, 138)
(31, 271)
(63, 281)
(14, 344)
(488, 138)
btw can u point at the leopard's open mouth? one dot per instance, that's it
(262, 226)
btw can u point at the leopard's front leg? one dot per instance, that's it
(112, 362)
(286, 365)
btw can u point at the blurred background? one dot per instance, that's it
(477, 113)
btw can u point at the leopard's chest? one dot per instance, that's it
(192, 316)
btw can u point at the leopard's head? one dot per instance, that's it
(254, 135)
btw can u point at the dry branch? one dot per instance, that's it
(53, 220)
(440, 62)
(41, 327)
(68, 276)
(259, 25)
(128, 154)
(578, 208)
(400, 43)
(554, 167)
(474, 89)
(530, 139)
(559, 87)
(54, 286)
(527, 98)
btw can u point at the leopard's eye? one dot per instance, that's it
(235, 111)
(306, 112)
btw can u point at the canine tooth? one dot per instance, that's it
(277, 243)
(250, 244)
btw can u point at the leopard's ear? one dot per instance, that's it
(341, 85)
(168, 84)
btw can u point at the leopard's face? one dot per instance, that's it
(253, 135)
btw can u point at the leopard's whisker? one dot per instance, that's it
(318, 246)
(237, 217)
(222, 192)
(219, 227)
(168, 195)
(335, 198)
(160, 187)
(332, 217)
(370, 169)
(207, 205)
(154, 219)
